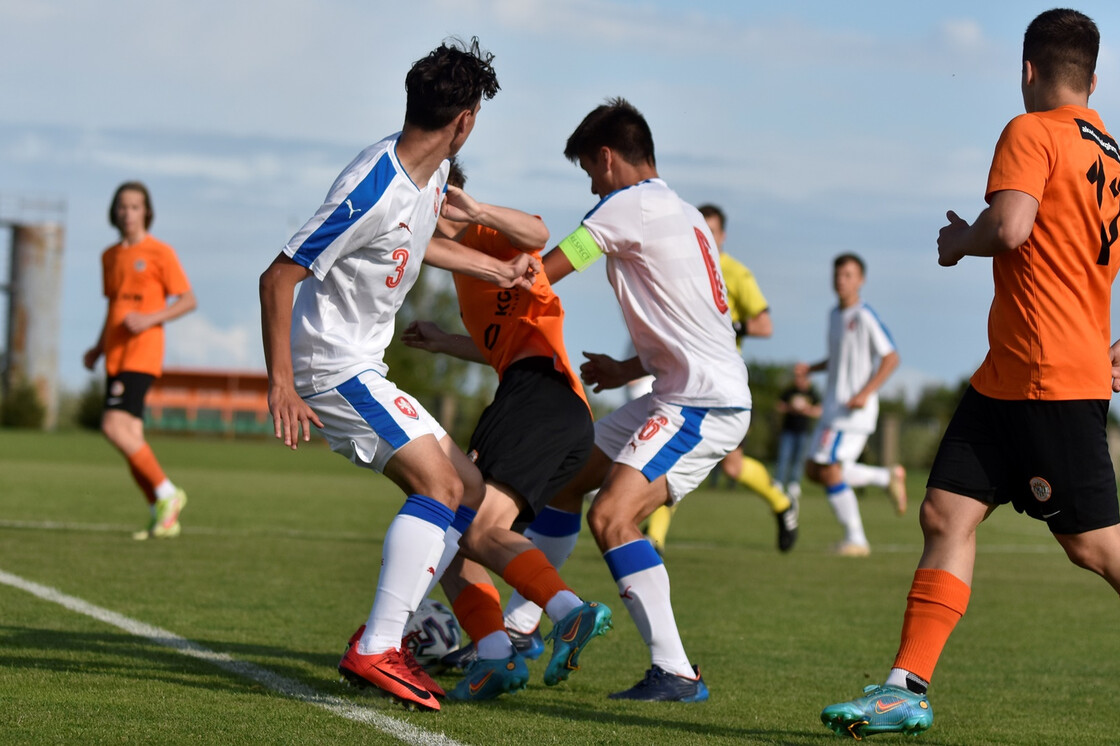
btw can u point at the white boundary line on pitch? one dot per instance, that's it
(402, 731)
(1046, 547)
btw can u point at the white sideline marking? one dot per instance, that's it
(1048, 547)
(111, 528)
(287, 687)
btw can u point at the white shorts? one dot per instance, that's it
(837, 446)
(682, 443)
(368, 419)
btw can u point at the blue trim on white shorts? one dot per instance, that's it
(376, 416)
(685, 439)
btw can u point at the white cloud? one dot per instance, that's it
(195, 341)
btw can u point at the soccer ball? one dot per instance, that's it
(431, 633)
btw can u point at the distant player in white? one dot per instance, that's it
(861, 356)
(664, 266)
(354, 262)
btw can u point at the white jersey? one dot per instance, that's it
(664, 266)
(857, 344)
(364, 247)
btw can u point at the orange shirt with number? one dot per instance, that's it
(140, 278)
(1048, 328)
(509, 324)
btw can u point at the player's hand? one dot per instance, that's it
(425, 335)
(289, 413)
(137, 322)
(458, 205)
(521, 272)
(602, 372)
(948, 240)
(91, 356)
(1114, 355)
(859, 401)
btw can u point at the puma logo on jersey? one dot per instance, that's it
(405, 226)
(352, 209)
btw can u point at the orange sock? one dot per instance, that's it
(479, 610)
(148, 490)
(534, 577)
(936, 602)
(146, 469)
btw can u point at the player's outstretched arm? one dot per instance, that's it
(1004, 225)
(1114, 355)
(523, 230)
(427, 335)
(289, 411)
(93, 354)
(521, 271)
(604, 372)
(889, 364)
(137, 322)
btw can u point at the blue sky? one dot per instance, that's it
(819, 127)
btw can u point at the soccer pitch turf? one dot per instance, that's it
(231, 633)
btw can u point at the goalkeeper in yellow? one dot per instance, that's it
(750, 315)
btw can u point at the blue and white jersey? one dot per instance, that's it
(364, 247)
(664, 266)
(857, 344)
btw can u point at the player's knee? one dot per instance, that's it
(1085, 554)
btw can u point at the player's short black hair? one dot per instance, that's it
(616, 125)
(132, 186)
(1062, 44)
(843, 259)
(453, 78)
(709, 211)
(456, 176)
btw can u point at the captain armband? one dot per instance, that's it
(581, 249)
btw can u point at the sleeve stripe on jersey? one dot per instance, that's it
(356, 206)
(882, 326)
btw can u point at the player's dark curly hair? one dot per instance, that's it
(453, 78)
(1062, 44)
(711, 211)
(132, 186)
(616, 125)
(456, 176)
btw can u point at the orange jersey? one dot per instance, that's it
(1048, 328)
(508, 324)
(138, 278)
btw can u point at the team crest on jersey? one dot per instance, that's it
(139, 265)
(1040, 488)
(406, 407)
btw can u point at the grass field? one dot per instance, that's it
(278, 559)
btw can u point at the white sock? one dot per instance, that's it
(643, 584)
(861, 475)
(897, 677)
(463, 518)
(412, 548)
(561, 604)
(164, 490)
(554, 532)
(496, 646)
(846, 507)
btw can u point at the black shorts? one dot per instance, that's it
(535, 436)
(1049, 459)
(126, 391)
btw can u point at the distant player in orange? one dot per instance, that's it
(529, 442)
(1030, 430)
(139, 276)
